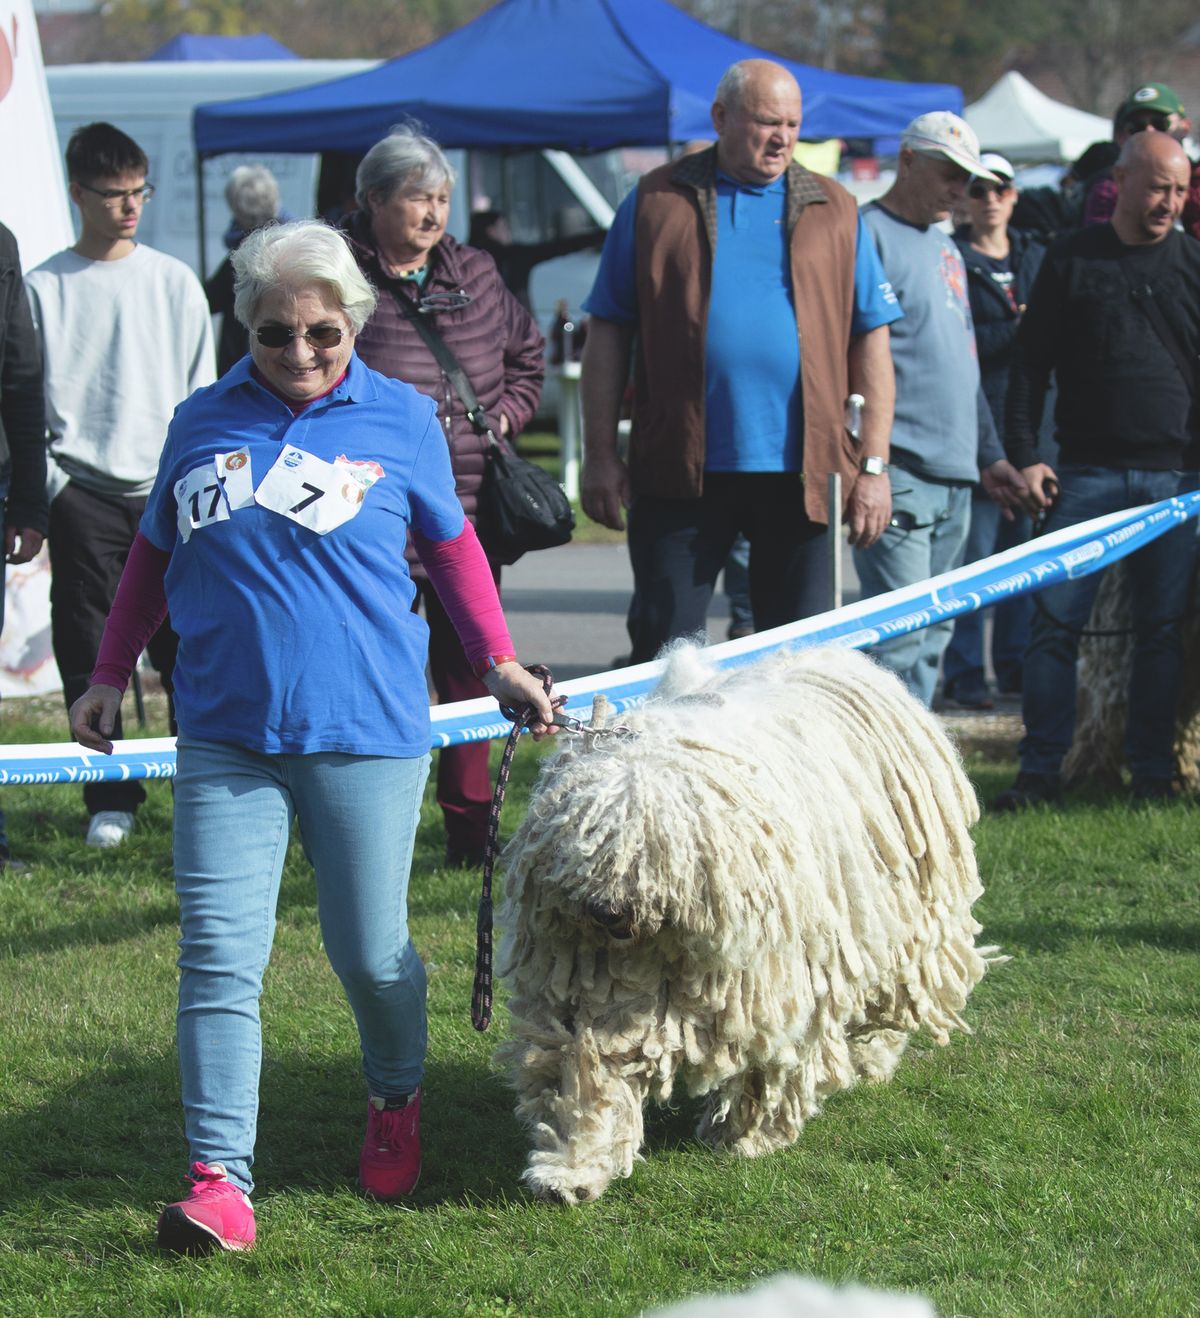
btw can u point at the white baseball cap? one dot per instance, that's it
(996, 164)
(941, 133)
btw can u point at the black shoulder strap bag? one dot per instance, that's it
(1143, 296)
(521, 507)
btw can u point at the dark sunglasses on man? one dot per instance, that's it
(980, 189)
(1140, 120)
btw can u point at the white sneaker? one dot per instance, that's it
(109, 828)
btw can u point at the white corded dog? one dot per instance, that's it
(760, 892)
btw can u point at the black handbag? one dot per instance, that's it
(521, 507)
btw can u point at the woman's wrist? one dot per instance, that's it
(481, 667)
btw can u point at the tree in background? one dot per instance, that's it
(1098, 49)
(1103, 48)
(314, 29)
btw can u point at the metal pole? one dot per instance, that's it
(835, 540)
(203, 266)
(569, 426)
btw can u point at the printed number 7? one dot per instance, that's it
(215, 490)
(314, 495)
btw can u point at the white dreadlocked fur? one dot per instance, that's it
(761, 892)
(1102, 703)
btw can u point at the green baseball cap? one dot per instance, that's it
(1155, 96)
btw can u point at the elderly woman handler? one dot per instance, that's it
(272, 532)
(399, 238)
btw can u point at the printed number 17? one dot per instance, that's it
(215, 491)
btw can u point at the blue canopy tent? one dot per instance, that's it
(579, 75)
(191, 46)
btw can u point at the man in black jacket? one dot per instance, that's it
(23, 512)
(1123, 422)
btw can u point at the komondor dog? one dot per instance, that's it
(761, 891)
(1105, 663)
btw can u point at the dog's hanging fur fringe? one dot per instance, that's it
(761, 893)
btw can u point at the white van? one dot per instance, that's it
(153, 103)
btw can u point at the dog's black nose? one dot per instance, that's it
(613, 921)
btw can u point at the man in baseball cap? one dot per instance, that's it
(942, 133)
(1155, 106)
(944, 439)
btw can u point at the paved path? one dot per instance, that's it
(566, 607)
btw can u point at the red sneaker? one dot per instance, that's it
(390, 1163)
(216, 1215)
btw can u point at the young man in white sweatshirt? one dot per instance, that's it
(126, 337)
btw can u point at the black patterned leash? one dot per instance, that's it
(481, 994)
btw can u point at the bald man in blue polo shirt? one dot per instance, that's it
(755, 304)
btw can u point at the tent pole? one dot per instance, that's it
(201, 216)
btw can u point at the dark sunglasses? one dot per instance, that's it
(1140, 120)
(279, 336)
(978, 190)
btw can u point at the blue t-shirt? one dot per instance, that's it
(295, 640)
(754, 417)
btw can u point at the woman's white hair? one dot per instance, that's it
(295, 256)
(405, 160)
(253, 196)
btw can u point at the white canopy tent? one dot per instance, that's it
(1026, 125)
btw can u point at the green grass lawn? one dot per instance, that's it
(1046, 1165)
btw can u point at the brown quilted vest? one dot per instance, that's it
(676, 237)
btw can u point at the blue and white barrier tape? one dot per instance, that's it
(1072, 552)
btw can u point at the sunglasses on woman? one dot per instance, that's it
(279, 336)
(977, 191)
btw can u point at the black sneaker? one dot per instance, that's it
(1153, 789)
(470, 859)
(968, 694)
(1029, 789)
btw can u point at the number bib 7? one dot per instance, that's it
(317, 494)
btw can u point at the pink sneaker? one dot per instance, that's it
(215, 1215)
(390, 1163)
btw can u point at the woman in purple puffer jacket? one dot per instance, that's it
(399, 238)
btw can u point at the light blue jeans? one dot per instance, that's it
(926, 538)
(233, 813)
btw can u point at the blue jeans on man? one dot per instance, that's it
(1160, 576)
(925, 538)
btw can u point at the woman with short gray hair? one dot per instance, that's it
(271, 534)
(399, 239)
(253, 196)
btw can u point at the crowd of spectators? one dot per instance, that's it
(748, 299)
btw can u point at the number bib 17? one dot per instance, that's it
(210, 492)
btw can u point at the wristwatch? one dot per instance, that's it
(873, 467)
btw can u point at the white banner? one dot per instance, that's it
(33, 204)
(33, 200)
